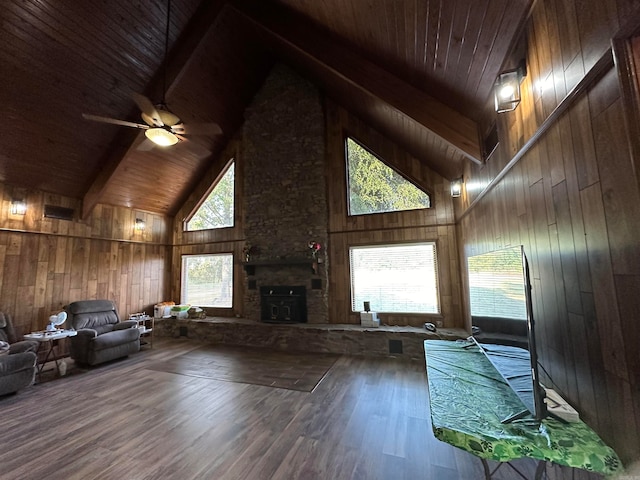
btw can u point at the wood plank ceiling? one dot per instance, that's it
(420, 71)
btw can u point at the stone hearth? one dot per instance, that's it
(325, 338)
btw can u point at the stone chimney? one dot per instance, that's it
(285, 192)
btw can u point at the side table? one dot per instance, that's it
(49, 341)
(146, 324)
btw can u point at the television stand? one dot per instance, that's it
(468, 399)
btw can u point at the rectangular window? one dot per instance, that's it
(400, 278)
(207, 280)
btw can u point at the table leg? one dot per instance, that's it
(50, 355)
(488, 474)
(542, 466)
(487, 471)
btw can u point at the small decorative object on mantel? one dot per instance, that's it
(315, 248)
(248, 251)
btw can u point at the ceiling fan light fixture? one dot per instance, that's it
(161, 137)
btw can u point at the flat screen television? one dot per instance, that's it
(501, 309)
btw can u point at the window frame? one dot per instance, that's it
(436, 274)
(378, 157)
(183, 298)
(206, 194)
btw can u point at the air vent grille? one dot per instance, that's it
(60, 213)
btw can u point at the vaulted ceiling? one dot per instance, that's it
(420, 71)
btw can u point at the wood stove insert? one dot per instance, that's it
(283, 304)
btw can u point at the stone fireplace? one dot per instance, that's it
(283, 150)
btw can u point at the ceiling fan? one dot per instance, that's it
(161, 126)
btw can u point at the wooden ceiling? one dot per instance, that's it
(420, 71)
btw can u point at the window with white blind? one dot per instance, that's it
(399, 278)
(207, 280)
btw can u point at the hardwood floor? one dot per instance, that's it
(367, 419)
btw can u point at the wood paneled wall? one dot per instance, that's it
(434, 224)
(47, 263)
(573, 202)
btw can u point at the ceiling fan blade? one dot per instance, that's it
(145, 145)
(98, 118)
(194, 147)
(197, 129)
(148, 109)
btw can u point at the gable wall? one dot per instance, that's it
(324, 217)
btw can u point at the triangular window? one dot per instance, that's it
(216, 211)
(375, 187)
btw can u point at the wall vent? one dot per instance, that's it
(490, 142)
(395, 346)
(60, 213)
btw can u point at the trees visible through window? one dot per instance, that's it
(218, 208)
(207, 280)
(374, 187)
(400, 278)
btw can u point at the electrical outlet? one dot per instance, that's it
(439, 323)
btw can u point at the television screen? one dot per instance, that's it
(500, 304)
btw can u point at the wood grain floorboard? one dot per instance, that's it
(368, 419)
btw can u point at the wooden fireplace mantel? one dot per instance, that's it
(250, 266)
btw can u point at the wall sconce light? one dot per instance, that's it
(18, 207)
(456, 187)
(139, 225)
(507, 88)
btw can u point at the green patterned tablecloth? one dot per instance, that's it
(469, 399)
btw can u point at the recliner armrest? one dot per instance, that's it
(23, 346)
(16, 362)
(79, 344)
(87, 333)
(125, 324)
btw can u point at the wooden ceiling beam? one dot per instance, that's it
(179, 57)
(334, 64)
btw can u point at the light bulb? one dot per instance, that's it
(507, 91)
